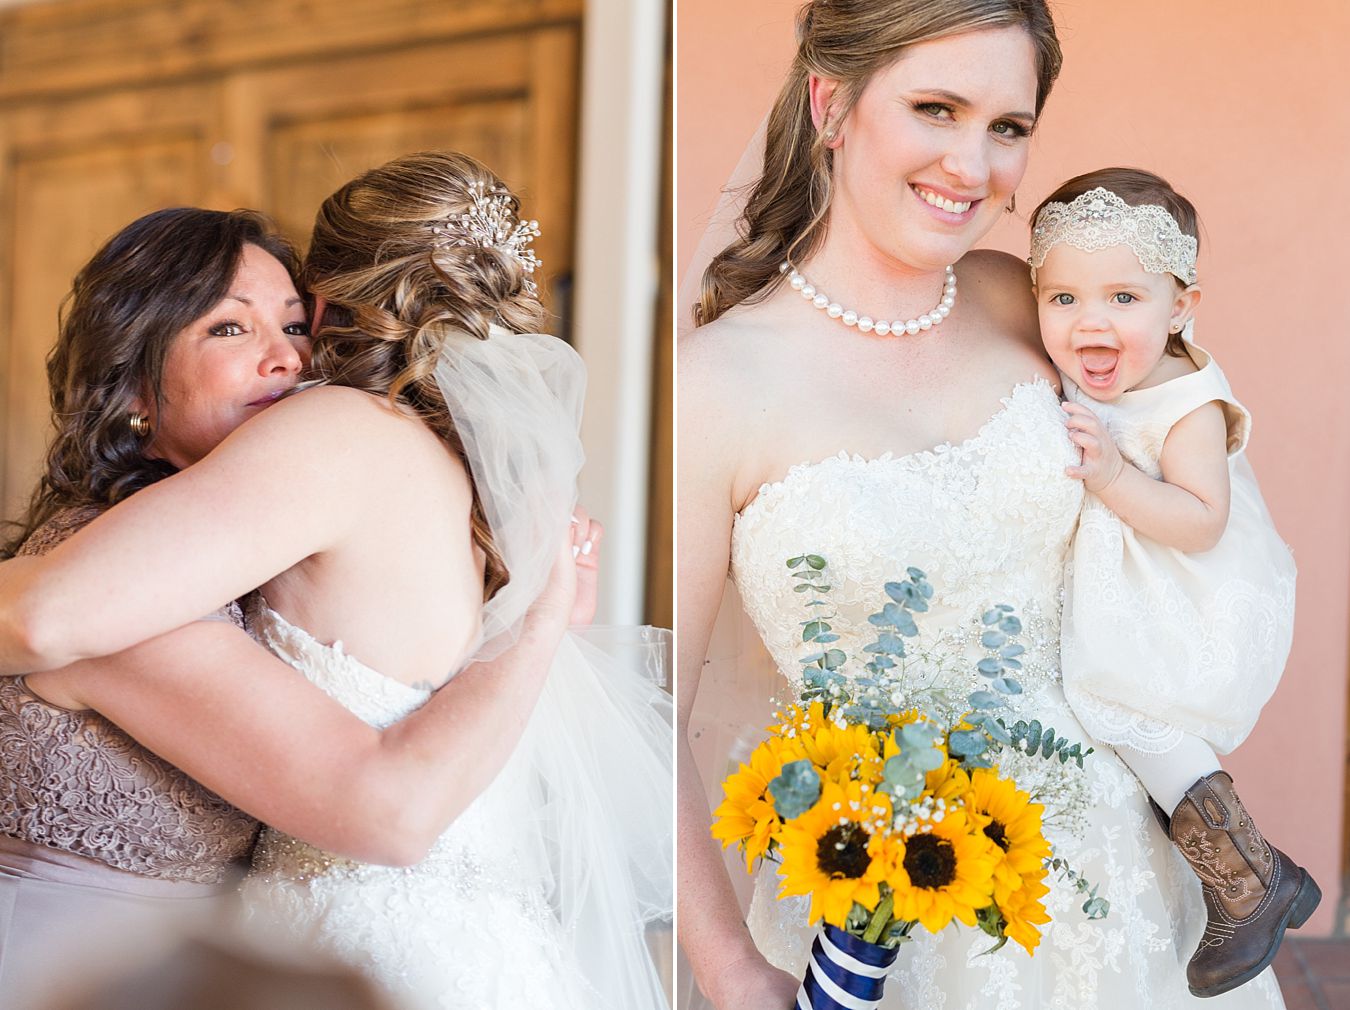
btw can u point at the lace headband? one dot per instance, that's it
(1099, 219)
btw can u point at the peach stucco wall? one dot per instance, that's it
(1245, 111)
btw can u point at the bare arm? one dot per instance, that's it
(1188, 508)
(210, 701)
(729, 968)
(189, 544)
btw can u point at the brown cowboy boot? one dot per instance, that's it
(1253, 891)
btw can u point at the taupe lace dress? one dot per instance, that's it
(98, 837)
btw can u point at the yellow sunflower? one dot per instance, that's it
(833, 851)
(747, 815)
(1023, 911)
(943, 873)
(840, 753)
(1013, 823)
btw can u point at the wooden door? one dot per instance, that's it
(113, 108)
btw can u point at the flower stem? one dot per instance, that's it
(879, 919)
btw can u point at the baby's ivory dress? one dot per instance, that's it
(1157, 642)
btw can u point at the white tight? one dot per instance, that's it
(1168, 776)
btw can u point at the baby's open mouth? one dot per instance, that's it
(1099, 365)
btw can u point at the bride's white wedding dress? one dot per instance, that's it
(470, 926)
(503, 912)
(990, 521)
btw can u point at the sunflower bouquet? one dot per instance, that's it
(886, 804)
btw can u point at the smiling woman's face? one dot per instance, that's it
(231, 363)
(934, 148)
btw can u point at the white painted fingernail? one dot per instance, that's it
(586, 547)
(575, 550)
(576, 521)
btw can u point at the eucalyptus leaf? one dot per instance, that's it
(964, 742)
(990, 617)
(989, 667)
(1097, 908)
(993, 639)
(815, 561)
(1010, 625)
(997, 730)
(919, 734)
(834, 658)
(905, 625)
(926, 758)
(796, 789)
(985, 699)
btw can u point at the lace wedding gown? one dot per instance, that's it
(989, 520)
(470, 926)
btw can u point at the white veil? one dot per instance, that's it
(598, 746)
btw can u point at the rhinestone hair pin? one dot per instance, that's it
(491, 223)
(1099, 219)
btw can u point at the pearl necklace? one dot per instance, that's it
(865, 323)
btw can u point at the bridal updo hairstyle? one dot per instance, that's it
(848, 41)
(396, 286)
(1137, 188)
(146, 284)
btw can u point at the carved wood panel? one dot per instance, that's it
(112, 108)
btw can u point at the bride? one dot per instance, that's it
(346, 504)
(864, 386)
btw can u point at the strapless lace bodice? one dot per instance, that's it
(470, 926)
(988, 519)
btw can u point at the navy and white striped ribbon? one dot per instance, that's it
(845, 973)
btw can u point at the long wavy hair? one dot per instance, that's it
(1138, 188)
(125, 307)
(847, 41)
(396, 285)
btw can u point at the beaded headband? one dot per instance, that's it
(491, 223)
(1099, 220)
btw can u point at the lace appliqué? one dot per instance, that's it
(469, 927)
(74, 781)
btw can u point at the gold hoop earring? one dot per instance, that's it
(138, 423)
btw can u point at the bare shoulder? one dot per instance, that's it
(995, 290)
(319, 438)
(321, 417)
(992, 268)
(718, 364)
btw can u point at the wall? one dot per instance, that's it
(1246, 113)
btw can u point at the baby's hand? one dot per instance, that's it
(1102, 462)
